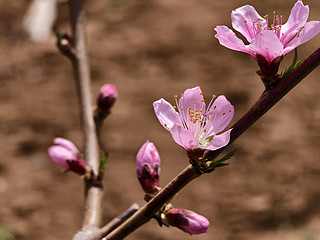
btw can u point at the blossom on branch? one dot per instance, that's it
(269, 40)
(66, 154)
(188, 221)
(148, 167)
(194, 126)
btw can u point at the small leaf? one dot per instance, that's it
(103, 161)
(293, 66)
(220, 163)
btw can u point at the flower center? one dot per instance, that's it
(255, 27)
(195, 117)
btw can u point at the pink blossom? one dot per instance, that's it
(66, 154)
(194, 126)
(187, 221)
(270, 39)
(107, 97)
(148, 167)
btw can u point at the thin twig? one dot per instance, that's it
(264, 103)
(82, 76)
(114, 223)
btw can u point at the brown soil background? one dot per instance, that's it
(149, 50)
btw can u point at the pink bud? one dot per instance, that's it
(148, 167)
(66, 154)
(107, 97)
(188, 221)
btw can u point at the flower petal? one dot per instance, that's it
(192, 100)
(268, 45)
(166, 114)
(221, 113)
(310, 30)
(66, 143)
(60, 155)
(298, 17)
(219, 141)
(229, 39)
(244, 20)
(183, 137)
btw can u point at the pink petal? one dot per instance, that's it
(183, 137)
(66, 143)
(221, 115)
(242, 21)
(268, 45)
(148, 154)
(166, 114)
(192, 100)
(310, 30)
(229, 39)
(298, 17)
(219, 141)
(60, 155)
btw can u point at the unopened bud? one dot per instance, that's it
(188, 221)
(107, 97)
(148, 167)
(66, 154)
(64, 43)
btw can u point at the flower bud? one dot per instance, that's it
(66, 154)
(107, 97)
(148, 167)
(188, 221)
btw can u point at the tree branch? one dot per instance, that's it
(116, 222)
(82, 78)
(267, 100)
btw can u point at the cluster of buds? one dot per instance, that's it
(148, 170)
(66, 154)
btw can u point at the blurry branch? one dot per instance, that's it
(79, 59)
(114, 223)
(267, 100)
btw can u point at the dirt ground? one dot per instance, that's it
(149, 50)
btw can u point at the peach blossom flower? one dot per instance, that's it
(194, 126)
(270, 39)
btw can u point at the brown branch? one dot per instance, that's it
(116, 222)
(267, 100)
(81, 68)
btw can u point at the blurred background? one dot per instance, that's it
(153, 49)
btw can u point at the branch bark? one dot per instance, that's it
(80, 63)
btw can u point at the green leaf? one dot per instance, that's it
(103, 161)
(293, 66)
(220, 163)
